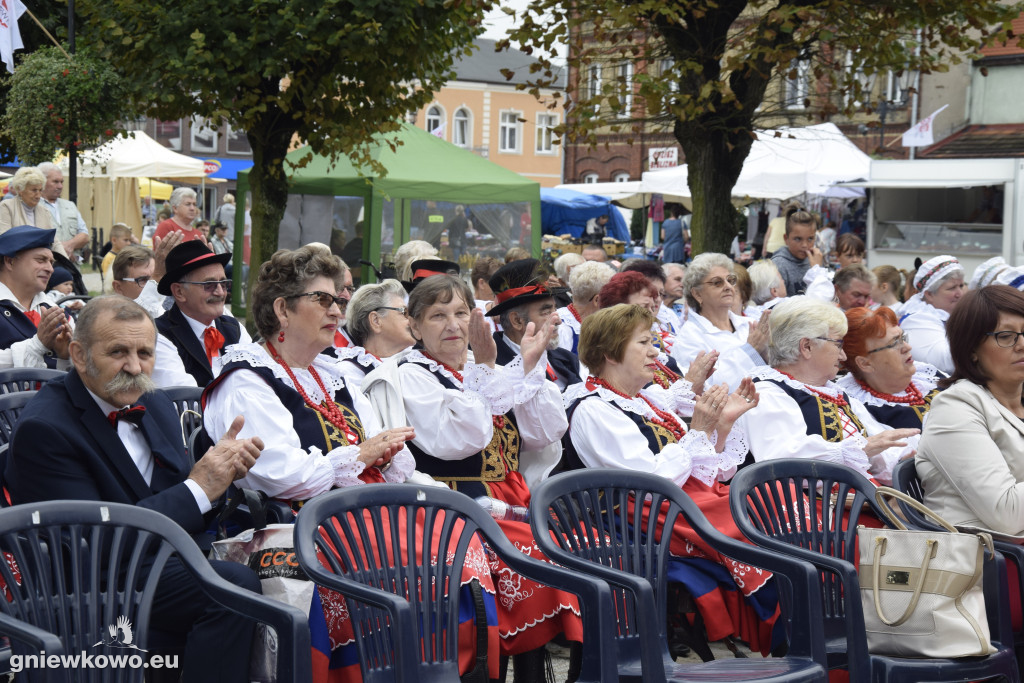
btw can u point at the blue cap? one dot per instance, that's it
(22, 237)
(60, 276)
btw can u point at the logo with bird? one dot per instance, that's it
(120, 635)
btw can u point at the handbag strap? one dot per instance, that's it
(884, 492)
(931, 548)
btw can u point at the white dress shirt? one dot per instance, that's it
(736, 357)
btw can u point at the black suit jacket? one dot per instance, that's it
(565, 363)
(173, 325)
(63, 447)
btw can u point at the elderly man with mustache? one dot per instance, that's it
(195, 331)
(103, 433)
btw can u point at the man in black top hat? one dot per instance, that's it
(195, 331)
(33, 332)
(424, 268)
(521, 298)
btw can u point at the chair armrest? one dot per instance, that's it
(38, 640)
(995, 578)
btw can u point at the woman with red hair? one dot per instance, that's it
(882, 372)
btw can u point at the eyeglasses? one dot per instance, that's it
(140, 281)
(1005, 339)
(719, 282)
(209, 286)
(325, 299)
(350, 289)
(898, 342)
(400, 309)
(837, 342)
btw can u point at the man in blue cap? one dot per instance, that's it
(33, 332)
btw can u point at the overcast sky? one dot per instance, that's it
(497, 22)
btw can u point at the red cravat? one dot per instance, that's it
(33, 316)
(340, 340)
(213, 340)
(551, 374)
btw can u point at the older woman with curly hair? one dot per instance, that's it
(25, 209)
(710, 288)
(585, 282)
(882, 373)
(802, 413)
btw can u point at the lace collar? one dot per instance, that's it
(916, 304)
(416, 356)
(358, 354)
(256, 356)
(766, 372)
(634, 405)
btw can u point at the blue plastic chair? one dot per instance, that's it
(824, 531)
(108, 566)
(407, 635)
(580, 520)
(11, 406)
(188, 402)
(13, 380)
(905, 480)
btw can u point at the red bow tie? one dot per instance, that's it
(133, 414)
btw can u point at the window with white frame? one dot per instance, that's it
(509, 132)
(798, 80)
(435, 120)
(168, 133)
(622, 177)
(237, 141)
(624, 78)
(460, 128)
(590, 178)
(593, 89)
(546, 133)
(666, 73)
(204, 137)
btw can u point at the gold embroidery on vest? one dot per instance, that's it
(831, 422)
(662, 436)
(921, 410)
(498, 458)
(334, 437)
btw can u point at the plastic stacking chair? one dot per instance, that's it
(404, 632)
(904, 479)
(13, 380)
(11, 406)
(71, 569)
(187, 401)
(823, 530)
(585, 521)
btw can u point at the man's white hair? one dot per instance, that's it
(764, 275)
(565, 262)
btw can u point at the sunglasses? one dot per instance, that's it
(209, 286)
(325, 299)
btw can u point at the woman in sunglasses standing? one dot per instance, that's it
(710, 290)
(882, 373)
(971, 458)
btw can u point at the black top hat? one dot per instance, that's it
(424, 268)
(515, 284)
(185, 258)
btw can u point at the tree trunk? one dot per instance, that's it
(269, 185)
(714, 167)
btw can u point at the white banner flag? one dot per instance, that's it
(10, 36)
(921, 134)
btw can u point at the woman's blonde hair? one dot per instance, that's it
(606, 334)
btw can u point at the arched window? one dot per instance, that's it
(590, 177)
(461, 131)
(621, 177)
(435, 120)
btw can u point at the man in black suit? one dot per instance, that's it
(195, 330)
(521, 297)
(103, 433)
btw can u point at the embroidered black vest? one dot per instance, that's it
(15, 327)
(173, 325)
(821, 417)
(657, 436)
(901, 415)
(471, 475)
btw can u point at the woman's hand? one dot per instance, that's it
(738, 402)
(481, 342)
(708, 409)
(378, 451)
(887, 439)
(535, 342)
(758, 337)
(700, 369)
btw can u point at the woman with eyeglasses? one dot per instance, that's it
(802, 412)
(379, 329)
(882, 373)
(710, 288)
(472, 418)
(971, 457)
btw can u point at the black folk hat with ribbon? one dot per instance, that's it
(424, 268)
(185, 258)
(515, 284)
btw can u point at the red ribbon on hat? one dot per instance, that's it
(423, 272)
(502, 297)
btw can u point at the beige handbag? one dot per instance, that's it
(921, 591)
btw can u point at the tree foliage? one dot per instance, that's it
(59, 101)
(708, 69)
(329, 73)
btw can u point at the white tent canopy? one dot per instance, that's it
(628, 195)
(137, 155)
(782, 163)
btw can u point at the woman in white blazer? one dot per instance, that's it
(971, 456)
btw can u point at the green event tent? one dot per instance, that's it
(426, 177)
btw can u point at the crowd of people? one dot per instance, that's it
(488, 383)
